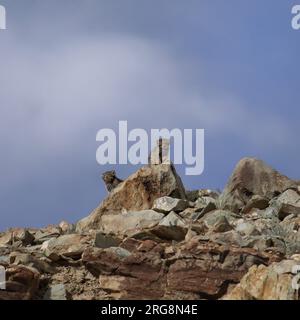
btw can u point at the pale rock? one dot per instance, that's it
(137, 193)
(172, 227)
(123, 224)
(168, 204)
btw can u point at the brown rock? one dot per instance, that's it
(136, 193)
(264, 283)
(22, 283)
(252, 177)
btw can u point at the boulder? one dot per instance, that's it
(172, 227)
(252, 177)
(264, 283)
(137, 193)
(168, 204)
(66, 246)
(103, 240)
(289, 203)
(22, 283)
(129, 223)
(56, 292)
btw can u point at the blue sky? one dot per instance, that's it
(71, 67)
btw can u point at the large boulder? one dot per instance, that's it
(266, 283)
(136, 193)
(129, 223)
(66, 246)
(252, 177)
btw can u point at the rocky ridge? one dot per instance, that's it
(152, 239)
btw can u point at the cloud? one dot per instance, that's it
(55, 100)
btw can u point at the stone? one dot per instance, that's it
(168, 204)
(221, 225)
(289, 203)
(103, 240)
(210, 206)
(210, 268)
(6, 239)
(247, 229)
(66, 227)
(172, 227)
(46, 234)
(25, 259)
(137, 193)
(66, 246)
(131, 222)
(195, 194)
(211, 218)
(56, 292)
(22, 283)
(263, 283)
(257, 202)
(252, 177)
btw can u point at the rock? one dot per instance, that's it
(257, 202)
(137, 193)
(252, 177)
(56, 292)
(195, 194)
(247, 229)
(211, 218)
(210, 206)
(6, 239)
(210, 268)
(46, 234)
(221, 225)
(22, 283)
(188, 213)
(168, 204)
(25, 259)
(131, 222)
(103, 240)
(66, 246)
(264, 283)
(66, 227)
(289, 203)
(172, 227)
(203, 202)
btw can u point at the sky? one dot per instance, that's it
(69, 68)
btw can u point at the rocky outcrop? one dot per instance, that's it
(252, 177)
(150, 240)
(136, 193)
(267, 283)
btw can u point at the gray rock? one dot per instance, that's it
(212, 217)
(65, 246)
(247, 229)
(172, 227)
(289, 203)
(103, 240)
(221, 225)
(252, 177)
(168, 204)
(208, 208)
(123, 224)
(56, 292)
(257, 202)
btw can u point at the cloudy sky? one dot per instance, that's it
(71, 67)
